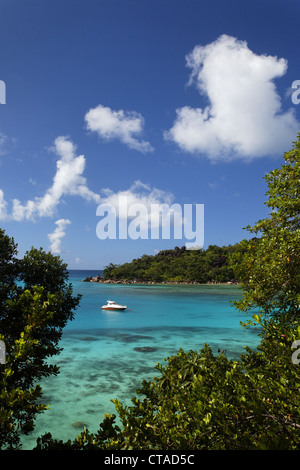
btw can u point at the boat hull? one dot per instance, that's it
(114, 308)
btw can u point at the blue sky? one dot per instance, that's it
(173, 101)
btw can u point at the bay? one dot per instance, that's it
(108, 354)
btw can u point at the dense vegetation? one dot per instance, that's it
(201, 401)
(36, 302)
(197, 400)
(206, 402)
(215, 264)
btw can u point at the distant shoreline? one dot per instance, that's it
(100, 280)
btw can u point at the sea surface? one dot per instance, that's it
(106, 354)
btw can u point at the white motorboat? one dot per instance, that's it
(112, 305)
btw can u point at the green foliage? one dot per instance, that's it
(86, 440)
(198, 400)
(36, 302)
(211, 403)
(270, 268)
(8, 261)
(206, 402)
(179, 265)
(18, 398)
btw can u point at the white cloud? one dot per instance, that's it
(149, 212)
(3, 140)
(144, 202)
(6, 144)
(244, 118)
(121, 125)
(138, 193)
(58, 234)
(213, 185)
(68, 180)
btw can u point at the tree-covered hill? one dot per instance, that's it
(215, 264)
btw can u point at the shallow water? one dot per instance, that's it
(107, 354)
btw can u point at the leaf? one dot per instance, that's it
(207, 418)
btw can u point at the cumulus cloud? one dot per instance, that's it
(68, 180)
(3, 139)
(124, 126)
(138, 193)
(244, 118)
(58, 234)
(149, 212)
(148, 206)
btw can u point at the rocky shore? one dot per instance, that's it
(100, 279)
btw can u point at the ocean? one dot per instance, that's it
(108, 354)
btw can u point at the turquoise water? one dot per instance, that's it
(100, 361)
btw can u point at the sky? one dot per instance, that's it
(184, 102)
